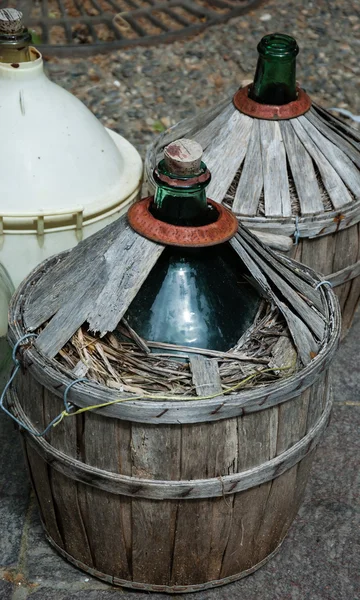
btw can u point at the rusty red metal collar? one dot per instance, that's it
(144, 223)
(271, 112)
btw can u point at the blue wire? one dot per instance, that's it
(6, 388)
(323, 283)
(297, 231)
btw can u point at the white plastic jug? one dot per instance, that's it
(63, 175)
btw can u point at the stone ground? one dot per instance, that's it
(139, 92)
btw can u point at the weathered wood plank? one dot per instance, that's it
(319, 252)
(206, 376)
(256, 445)
(346, 131)
(69, 274)
(39, 476)
(286, 271)
(301, 334)
(155, 454)
(128, 262)
(107, 516)
(220, 449)
(247, 195)
(346, 274)
(72, 314)
(303, 171)
(110, 287)
(278, 512)
(66, 498)
(333, 136)
(353, 298)
(333, 183)
(276, 183)
(281, 243)
(313, 319)
(346, 253)
(225, 155)
(213, 129)
(336, 157)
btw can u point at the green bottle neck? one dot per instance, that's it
(275, 76)
(182, 206)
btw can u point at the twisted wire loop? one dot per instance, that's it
(17, 366)
(325, 282)
(69, 408)
(297, 231)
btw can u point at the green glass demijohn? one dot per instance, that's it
(275, 76)
(195, 296)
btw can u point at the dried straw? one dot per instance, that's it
(124, 361)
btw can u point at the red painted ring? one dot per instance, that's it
(271, 112)
(144, 223)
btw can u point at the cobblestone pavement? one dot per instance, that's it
(139, 92)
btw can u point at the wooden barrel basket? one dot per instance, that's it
(170, 496)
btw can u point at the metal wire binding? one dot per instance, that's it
(325, 282)
(11, 379)
(297, 231)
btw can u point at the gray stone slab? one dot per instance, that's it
(50, 594)
(6, 590)
(14, 492)
(43, 566)
(345, 369)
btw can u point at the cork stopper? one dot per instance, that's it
(183, 157)
(10, 21)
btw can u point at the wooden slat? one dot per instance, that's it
(107, 517)
(68, 505)
(206, 376)
(216, 448)
(225, 155)
(208, 134)
(331, 119)
(334, 137)
(281, 243)
(301, 334)
(307, 314)
(250, 185)
(287, 272)
(128, 262)
(303, 171)
(73, 313)
(256, 445)
(346, 253)
(154, 454)
(39, 475)
(276, 183)
(319, 252)
(334, 185)
(278, 512)
(336, 157)
(68, 275)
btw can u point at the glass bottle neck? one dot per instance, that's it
(186, 206)
(15, 48)
(275, 76)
